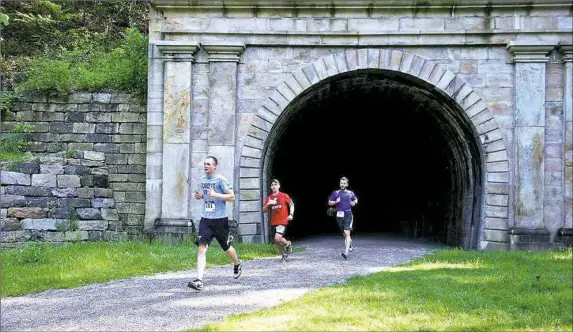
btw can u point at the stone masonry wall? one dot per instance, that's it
(87, 178)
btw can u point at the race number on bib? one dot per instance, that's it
(209, 206)
(340, 214)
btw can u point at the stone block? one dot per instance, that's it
(51, 169)
(88, 213)
(80, 98)
(133, 208)
(91, 155)
(67, 203)
(85, 192)
(15, 178)
(68, 181)
(137, 159)
(106, 128)
(101, 181)
(77, 169)
(496, 235)
(87, 128)
(12, 200)
(109, 214)
(101, 97)
(10, 224)
(91, 225)
(496, 199)
(64, 192)
(30, 168)
(114, 236)
(103, 192)
(44, 180)
(496, 223)
(135, 197)
(29, 191)
(76, 236)
(26, 212)
(61, 127)
(15, 236)
(97, 117)
(45, 224)
(118, 177)
(103, 202)
(125, 117)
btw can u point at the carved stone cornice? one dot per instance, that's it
(177, 50)
(223, 52)
(358, 4)
(528, 52)
(567, 51)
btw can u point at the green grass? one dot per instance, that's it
(39, 267)
(451, 290)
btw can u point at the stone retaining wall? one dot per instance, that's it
(87, 178)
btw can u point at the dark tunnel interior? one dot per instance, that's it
(403, 149)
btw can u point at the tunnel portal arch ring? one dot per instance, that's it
(493, 145)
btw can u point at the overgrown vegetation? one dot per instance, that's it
(37, 267)
(92, 68)
(65, 46)
(452, 290)
(13, 143)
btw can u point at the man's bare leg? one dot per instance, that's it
(201, 260)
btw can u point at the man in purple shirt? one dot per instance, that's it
(343, 200)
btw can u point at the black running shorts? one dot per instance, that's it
(217, 228)
(345, 223)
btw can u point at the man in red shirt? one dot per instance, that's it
(280, 216)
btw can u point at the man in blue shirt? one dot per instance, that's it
(216, 191)
(343, 200)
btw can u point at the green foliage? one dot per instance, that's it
(45, 29)
(38, 267)
(73, 224)
(13, 143)
(91, 68)
(451, 290)
(7, 99)
(4, 19)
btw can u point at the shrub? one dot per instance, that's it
(92, 68)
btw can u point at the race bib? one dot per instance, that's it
(340, 214)
(209, 206)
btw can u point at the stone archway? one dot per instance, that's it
(494, 203)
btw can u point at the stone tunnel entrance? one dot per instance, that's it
(409, 152)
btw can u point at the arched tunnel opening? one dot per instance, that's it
(409, 153)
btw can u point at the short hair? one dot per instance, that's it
(214, 160)
(344, 178)
(275, 181)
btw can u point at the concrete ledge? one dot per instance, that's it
(565, 236)
(530, 239)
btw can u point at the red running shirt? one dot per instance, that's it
(279, 211)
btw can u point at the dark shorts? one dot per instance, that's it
(345, 223)
(279, 229)
(217, 228)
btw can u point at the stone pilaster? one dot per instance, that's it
(529, 136)
(223, 61)
(169, 115)
(567, 52)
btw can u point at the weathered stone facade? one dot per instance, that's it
(87, 178)
(227, 77)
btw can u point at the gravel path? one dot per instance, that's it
(163, 302)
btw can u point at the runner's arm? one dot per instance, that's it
(229, 196)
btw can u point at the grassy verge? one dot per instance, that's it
(38, 267)
(450, 290)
